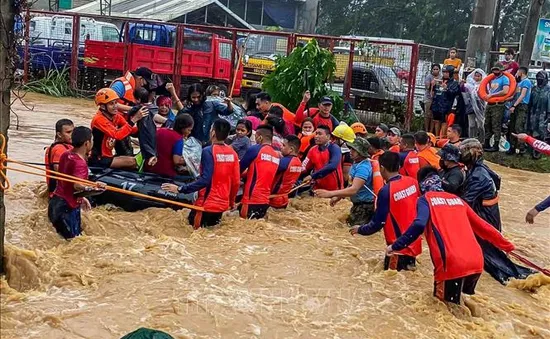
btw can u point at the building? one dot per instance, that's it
(289, 15)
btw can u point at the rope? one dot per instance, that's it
(69, 178)
(530, 263)
(277, 195)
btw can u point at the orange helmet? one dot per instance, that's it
(105, 95)
(358, 127)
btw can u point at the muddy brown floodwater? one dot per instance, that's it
(299, 274)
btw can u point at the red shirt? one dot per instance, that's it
(404, 193)
(411, 165)
(260, 175)
(313, 113)
(288, 173)
(167, 139)
(510, 66)
(326, 162)
(51, 158)
(72, 164)
(221, 191)
(538, 145)
(451, 237)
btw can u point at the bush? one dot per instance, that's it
(306, 68)
(55, 83)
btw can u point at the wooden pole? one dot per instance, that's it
(7, 52)
(526, 48)
(481, 34)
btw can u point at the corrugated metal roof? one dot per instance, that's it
(163, 10)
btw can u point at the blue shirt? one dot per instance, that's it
(207, 170)
(362, 170)
(543, 204)
(119, 89)
(498, 84)
(178, 147)
(525, 83)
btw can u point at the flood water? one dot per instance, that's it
(299, 274)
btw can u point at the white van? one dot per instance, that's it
(50, 30)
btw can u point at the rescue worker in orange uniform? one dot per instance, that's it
(63, 131)
(394, 138)
(218, 182)
(288, 172)
(410, 164)
(108, 126)
(450, 228)
(395, 212)
(341, 135)
(426, 153)
(125, 86)
(366, 182)
(321, 115)
(325, 159)
(260, 163)
(376, 148)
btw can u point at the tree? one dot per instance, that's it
(7, 53)
(530, 31)
(435, 22)
(306, 68)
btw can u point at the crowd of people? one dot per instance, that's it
(494, 117)
(397, 182)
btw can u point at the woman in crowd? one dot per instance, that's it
(475, 106)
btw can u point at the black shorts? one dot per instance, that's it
(253, 211)
(450, 290)
(65, 219)
(199, 219)
(399, 262)
(439, 116)
(104, 162)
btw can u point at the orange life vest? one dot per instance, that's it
(287, 114)
(395, 148)
(377, 180)
(429, 157)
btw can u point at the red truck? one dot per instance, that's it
(206, 57)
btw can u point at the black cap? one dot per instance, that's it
(326, 100)
(384, 127)
(145, 73)
(450, 152)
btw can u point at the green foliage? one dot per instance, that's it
(306, 68)
(435, 22)
(524, 162)
(55, 83)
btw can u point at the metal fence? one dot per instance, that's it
(381, 78)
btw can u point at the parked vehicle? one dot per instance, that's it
(50, 43)
(206, 57)
(259, 59)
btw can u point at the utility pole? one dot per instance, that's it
(7, 52)
(309, 13)
(481, 34)
(526, 48)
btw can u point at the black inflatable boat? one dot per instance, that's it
(144, 183)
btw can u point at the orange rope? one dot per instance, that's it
(69, 178)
